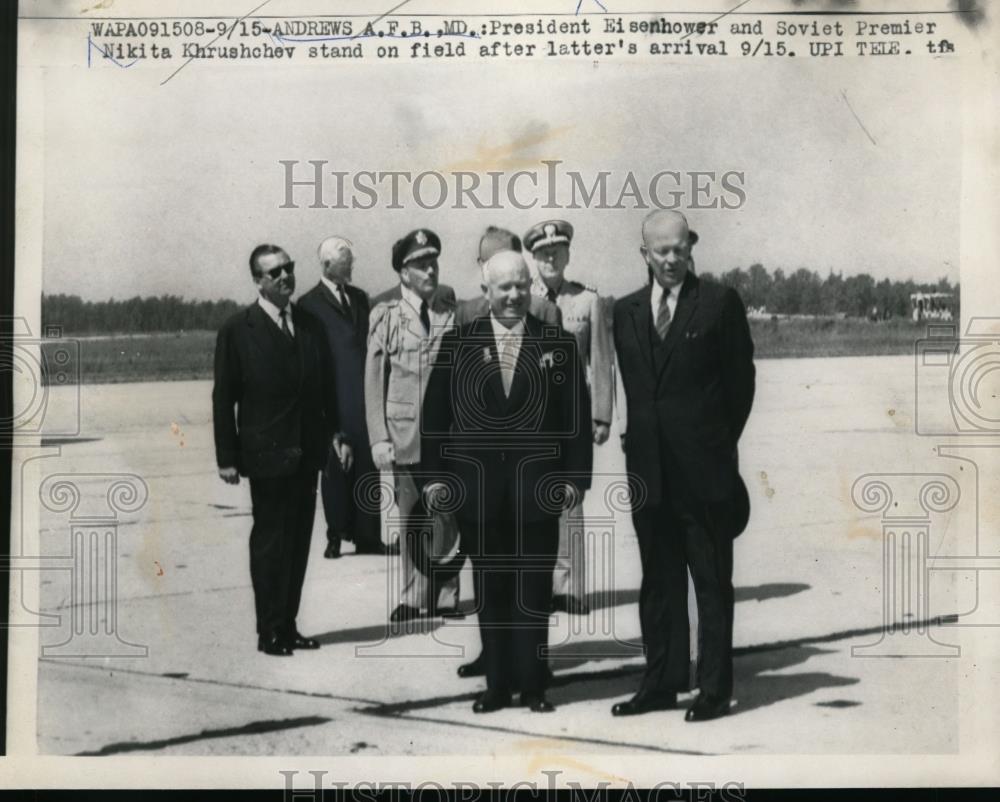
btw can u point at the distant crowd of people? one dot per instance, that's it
(486, 413)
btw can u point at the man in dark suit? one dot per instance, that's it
(507, 445)
(344, 310)
(493, 241)
(275, 420)
(686, 361)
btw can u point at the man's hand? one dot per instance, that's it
(384, 455)
(571, 496)
(231, 476)
(601, 432)
(434, 493)
(344, 453)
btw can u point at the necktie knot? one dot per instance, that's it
(551, 295)
(342, 295)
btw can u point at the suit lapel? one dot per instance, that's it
(687, 302)
(271, 339)
(334, 301)
(483, 333)
(521, 382)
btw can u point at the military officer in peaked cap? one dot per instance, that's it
(405, 336)
(583, 317)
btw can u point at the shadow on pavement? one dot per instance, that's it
(574, 654)
(619, 597)
(755, 687)
(253, 728)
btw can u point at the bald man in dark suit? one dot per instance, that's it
(686, 360)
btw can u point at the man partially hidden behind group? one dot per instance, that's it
(686, 360)
(349, 497)
(275, 422)
(582, 314)
(406, 332)
(507, 440)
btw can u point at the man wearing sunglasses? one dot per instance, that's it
(275, 420)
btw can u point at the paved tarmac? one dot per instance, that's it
(808, 576)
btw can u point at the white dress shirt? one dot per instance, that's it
(275, 314)
(508, 348)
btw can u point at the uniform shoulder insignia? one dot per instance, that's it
(382, 310)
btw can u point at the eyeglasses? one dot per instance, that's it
(275, 272)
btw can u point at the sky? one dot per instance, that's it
(156, 189)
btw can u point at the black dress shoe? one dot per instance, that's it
(645, 703)
(537, 703)
(705, 708)
(477, 668)
(332, 549)
(404, 612)
(489, 701)
(576, 606)
(392, 548)
(558, 604)
(273, 645)
(300, 641)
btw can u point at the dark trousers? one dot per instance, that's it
(513, 581)
(675, 537)
(283, 509)
(351, 498)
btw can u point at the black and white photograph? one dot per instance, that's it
(586, 394)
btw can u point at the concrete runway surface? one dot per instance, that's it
(808, 576)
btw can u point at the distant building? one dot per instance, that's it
(932, 306)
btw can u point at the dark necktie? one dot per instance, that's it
(551, 295)
(663, 316)
(283, 314)
(425, 318)
(342, 296)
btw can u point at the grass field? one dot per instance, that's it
(188, 355)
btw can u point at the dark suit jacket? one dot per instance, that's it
(507, 457)
(273, 402)
(691, 401)
(347, 337)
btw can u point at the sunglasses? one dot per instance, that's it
(275, 272)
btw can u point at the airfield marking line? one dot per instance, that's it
(548, 736)
(209, 681)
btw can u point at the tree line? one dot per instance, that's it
(134, 315)
(803, 292)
